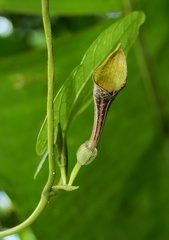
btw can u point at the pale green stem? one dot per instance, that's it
(74, 173)
(63, 161)
(42, 203)
(50, 119)
(63, 174)
(50, 105)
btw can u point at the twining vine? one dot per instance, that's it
(46, 193)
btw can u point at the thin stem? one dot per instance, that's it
(63, 174)
(42, 203)
(50, 119)
(50, 105)
(74, 173)
(63, 160)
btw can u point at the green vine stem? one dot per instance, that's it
(50, 105)
(50, 120)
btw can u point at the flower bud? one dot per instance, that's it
(86, 155)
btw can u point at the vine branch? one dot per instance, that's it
(50, 105)
(50, 121)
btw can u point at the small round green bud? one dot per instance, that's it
(86, 155)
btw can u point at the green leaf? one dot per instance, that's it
(76, 93)
(65, 7)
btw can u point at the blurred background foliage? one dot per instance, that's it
(123, 194)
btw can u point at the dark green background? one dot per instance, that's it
(124, 193)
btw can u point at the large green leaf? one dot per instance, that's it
(77, 90)
(65, 7)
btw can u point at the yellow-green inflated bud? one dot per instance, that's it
(109, 79)
(112, 74)
(86, 155)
